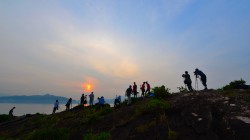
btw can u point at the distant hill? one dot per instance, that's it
(41, 99)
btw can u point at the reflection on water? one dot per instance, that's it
(22, 109)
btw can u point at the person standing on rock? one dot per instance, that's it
(68, 104)
(203, 77)
(82, 99)
(135, 90)
(56, 106)
(143, 90)
(85, 100)
(148, 88)
(128, 94)
(91, 99)
(187, 80)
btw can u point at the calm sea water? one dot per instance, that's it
(22, 109)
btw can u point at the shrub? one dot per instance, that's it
(161, 92)
(182, 89)
(98, 136)
(4, 118)
(236, 84)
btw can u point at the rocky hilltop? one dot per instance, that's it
(203, 115)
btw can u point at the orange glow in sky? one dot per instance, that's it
(87, 87)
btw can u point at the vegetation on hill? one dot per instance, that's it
(236, 84)
(208, 115)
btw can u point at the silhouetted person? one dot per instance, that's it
(91, 99)
(56, 106)
(135, 90)
(128, 94)
(117, 101)
(68, 104)
(82, 100)
(11, 112)
(85, 99)
(101, 102)
(187, 81)
(148, 88)
(197, 73)
(143, 89)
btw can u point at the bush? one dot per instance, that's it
(182, 89)
(236, 84)
(161, 92)
(4, 118)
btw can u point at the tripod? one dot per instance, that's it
(196, 83)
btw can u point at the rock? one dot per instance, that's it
(244, 119)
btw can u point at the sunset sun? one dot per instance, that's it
(88, 87)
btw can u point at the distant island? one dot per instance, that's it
(40, 99)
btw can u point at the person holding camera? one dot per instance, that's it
(203, 77)
(187, 80)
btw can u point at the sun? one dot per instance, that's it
(88, 87)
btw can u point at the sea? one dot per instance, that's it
(23, 109)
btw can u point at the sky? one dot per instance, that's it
(67, 48)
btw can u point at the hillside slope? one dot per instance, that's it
(210, 115)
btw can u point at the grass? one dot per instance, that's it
(156, 106)
(172, 135)
(98, 136)
(49, 133)
(144, 127)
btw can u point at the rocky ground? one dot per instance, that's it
(203, 115)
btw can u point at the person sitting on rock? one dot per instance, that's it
(11, 112)
(101, 102)
(197, 73)
(117, 101)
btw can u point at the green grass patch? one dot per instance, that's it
(145, 127)
(3, 138)
(172, 135)
(157, 106)
(98, 136)
(49, 133)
